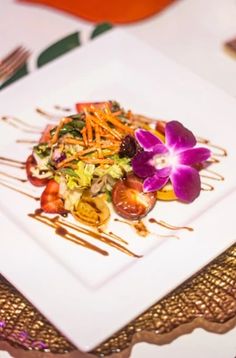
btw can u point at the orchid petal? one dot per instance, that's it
(160, 149)
(141, 164)
(178, 137)
(164, 172)
(146, 139)
(186, 182)
(193, 155)
(154, 183)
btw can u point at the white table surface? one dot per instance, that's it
(191, 32)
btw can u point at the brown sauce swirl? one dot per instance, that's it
(139, 226)
(212, 175)
(221, 152)
(21, 125)
(12, 162)
(207, 187)
(169, 226)
(9, 186)
(22, 180)
(60, 225)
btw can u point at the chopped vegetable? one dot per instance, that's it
(91, 211)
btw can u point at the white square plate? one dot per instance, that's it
(88, 296)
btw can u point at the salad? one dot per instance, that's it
(104, 156)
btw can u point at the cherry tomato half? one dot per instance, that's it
(100, 105)
(129, 200)
(31, 164)
(46, 136)
(50, 200)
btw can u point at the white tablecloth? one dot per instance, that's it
(191, 32)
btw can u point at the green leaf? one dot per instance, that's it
(19, 74)
(100, 28)
(59, 48)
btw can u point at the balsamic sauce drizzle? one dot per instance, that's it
(62, 109)
(12, 162)
(207, 187)
(221, 152)
(104, 237)
(142, 230)
(21, 125)
(22, 180)
(60, 226)
(26, 141)
(213, 175)
(49, 116)
(9, 186)
(61, 231)
(169, 226)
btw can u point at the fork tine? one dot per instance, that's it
(14, 63)
(12, 59)
(10, 55)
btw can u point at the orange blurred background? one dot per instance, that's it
(113, 11)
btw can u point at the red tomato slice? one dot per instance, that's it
(129, 200)
(50, 201)
(45, 137)
(30, 164)
(100, 105)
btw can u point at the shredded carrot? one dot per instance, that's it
(107, 135)
(89, 128)
(62, 122)
(67, 160)
(101, 134)
(68, 140)
(75, 156)
(84, 136)
(105, 126)
(98, 140)
(119, 125)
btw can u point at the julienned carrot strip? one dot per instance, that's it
(67, 160)
(75, 156)
(105, 126)
(98, 140)
(97, 144)
(84, 135)
(62, 122)
(119, 125)
(68, 140)
(89, 128)
(107, 136)
(108, 116)
(108, 145)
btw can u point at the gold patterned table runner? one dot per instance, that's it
(207, 300)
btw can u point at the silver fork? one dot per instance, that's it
(13, 62)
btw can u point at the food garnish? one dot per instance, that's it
(105, 156)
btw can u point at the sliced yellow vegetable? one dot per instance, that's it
(92, 211)
(158, 134)
(166, 193)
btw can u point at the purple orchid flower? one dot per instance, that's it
(172, 161)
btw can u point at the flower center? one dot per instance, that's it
(161, 161)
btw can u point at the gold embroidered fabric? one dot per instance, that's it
(208, 299)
